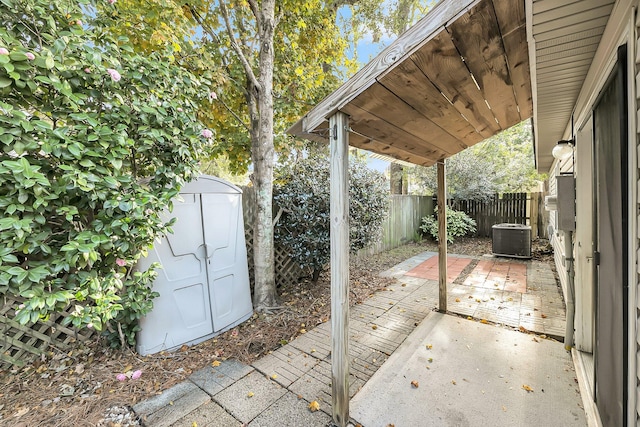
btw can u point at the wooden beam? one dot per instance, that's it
(370, 125)
(383, 103)
(339, 147)
(442, 237)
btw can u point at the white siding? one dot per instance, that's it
(634, 247)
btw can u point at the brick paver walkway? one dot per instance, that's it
(429, 268)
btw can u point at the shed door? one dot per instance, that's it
(610, 136)
(226, 267)
(182, 313)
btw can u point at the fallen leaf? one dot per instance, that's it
(523, 329)
(478, 300)
(215, 363)
(250, 394)
(544, 316)
(313, 350)
(469, 318)
(504, 408)
(484, 321)
(314, 406)
(274, 376)
(457, 299)
(303, 331)
(194, 424)
(526, 387)
(182, 349)
(429, 346)
(127, 368)
(453, 382)
(414, 384)
(430, 359)
(374, 327)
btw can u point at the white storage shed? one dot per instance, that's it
(204, 279)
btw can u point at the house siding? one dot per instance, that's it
(635, 235)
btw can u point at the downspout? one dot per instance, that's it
(571, 306)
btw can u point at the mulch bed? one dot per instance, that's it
(78, 387)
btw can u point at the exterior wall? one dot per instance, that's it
(634, 215)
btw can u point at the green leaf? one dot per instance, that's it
(5, 82)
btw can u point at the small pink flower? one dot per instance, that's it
(30, 56)
(121, 377)
(179, 109)
(90, 325)
(136, 374)
(111, 1)
(206, 133)
(212, 96)
(121, 262)
(115, 76)
(4, 51)
(79, 22)
(87, 70)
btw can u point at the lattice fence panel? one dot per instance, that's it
(20, 344)
(286, 270)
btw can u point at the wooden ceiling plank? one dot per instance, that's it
(512, 23)
(478, 39)
(378, 147)
(440, 62)
(412, 86)
(363, 122)
(384, 104)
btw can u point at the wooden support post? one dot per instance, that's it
(442, 236)
(339, 145)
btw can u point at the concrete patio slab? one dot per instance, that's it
(472, 375)
(215, 379)
(249, 396)
(209, 414)
(170, 406)
(290, 410)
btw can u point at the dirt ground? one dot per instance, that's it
(78, 388)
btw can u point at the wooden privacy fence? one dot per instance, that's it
(402, 225)
(514, 208)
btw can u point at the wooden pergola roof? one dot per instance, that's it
(457, 77)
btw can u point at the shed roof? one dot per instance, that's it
(458, 76)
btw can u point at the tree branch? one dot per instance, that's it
(234, 43)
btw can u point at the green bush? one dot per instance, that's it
(96, 141)
(459, 224)
(302, 191)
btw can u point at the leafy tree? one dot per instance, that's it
(96, 141)
(274, 60)
(302, 191)
(503, 163)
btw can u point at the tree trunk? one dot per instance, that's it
(396, 178)
(262, 156)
